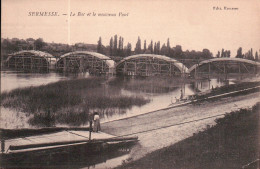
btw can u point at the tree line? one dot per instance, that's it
(116, 48)
(248, 55)
(9, 46)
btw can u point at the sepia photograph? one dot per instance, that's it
(140, 84)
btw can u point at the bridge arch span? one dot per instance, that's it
(31, 60)
(150, 65)
(85, 61)
(226, 62)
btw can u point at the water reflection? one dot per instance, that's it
(160, 91)
(17, 79)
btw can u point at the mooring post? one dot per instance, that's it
(90, 129)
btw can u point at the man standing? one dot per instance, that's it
(96, 126)
(181, 97)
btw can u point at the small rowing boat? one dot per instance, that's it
(22, 150)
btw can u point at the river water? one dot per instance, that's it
(161, 92)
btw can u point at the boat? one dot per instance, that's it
(183, 100)
(32, 147)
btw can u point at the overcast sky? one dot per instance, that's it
(192, 24)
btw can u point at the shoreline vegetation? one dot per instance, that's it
(69, 102)
(232, 143)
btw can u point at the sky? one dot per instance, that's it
(194, 25)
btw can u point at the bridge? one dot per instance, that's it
(224, 66)
(136, 65)
(85, 61)
(31, 60)
(150, 65)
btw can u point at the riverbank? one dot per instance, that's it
(232, 143)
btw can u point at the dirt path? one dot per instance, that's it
(156, 139)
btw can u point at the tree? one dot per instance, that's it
(144, 45)
(138, 46)
(168, 47)
(122, 47)
(30, 41)
(206, 53)
(228, 54)
(164, 50)
(99, 46)
(178, 50)
(151, 47)
(249, 55)
(218, 54)
(158, 47)
(222, 53)
(168, 43)
(256, 56)
(122, 43)
(155, 48)
(239, 53)
(119, 46)
(111, 46)
(129, 49)
(115, 45)
(39, 43)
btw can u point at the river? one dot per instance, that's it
(160, 91)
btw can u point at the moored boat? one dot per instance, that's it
(57, 144)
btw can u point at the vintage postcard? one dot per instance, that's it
(139, 84)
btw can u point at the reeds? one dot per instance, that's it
(66, 102)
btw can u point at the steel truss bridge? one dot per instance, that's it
(31, 60)
(135, 65)
(84, 61)
(150, 65)
(225, 66)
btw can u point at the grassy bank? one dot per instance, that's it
(67, 102)
(232, 143)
